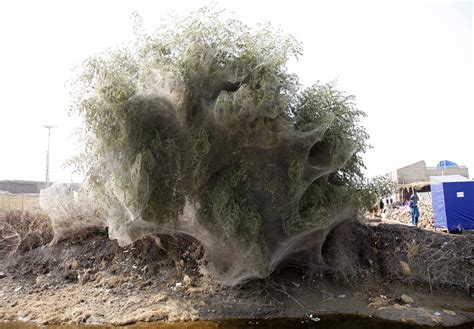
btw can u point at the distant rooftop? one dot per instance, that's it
(448, 178)
(22, 186)
(20, 181)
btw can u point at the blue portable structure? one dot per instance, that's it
(453, 202)
(446, 163)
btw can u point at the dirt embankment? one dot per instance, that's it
(378, 271)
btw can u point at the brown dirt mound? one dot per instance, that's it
(93, 280)
(437, 259)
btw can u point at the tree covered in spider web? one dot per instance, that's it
(199, 128)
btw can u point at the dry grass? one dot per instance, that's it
(437, 259)
(23, 231)
(353, 252)
(73, 213)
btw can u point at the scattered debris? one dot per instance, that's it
(402, 214)
(437, 320)
(448, 312)
(378, 302)
(405, 268)
(399, 307)
(314, 318)
(187, 282)
(407, 299)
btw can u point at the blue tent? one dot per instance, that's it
(453, 202)
(446, 163)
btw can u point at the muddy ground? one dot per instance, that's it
(93, 280)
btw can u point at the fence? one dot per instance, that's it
(19, 202)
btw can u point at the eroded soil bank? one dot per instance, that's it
(94, 281)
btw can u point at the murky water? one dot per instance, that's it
(326, 322)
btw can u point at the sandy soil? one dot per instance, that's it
(94, 281)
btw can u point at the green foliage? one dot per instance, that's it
(322, 106)
(381, 186)
(228, 207)
(366, 194)
(326, 108)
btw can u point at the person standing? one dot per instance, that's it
(415, 213)
(381, 205)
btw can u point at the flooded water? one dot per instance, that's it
(326, 322)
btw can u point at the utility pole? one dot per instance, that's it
(47, 152)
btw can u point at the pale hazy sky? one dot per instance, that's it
(410, 65)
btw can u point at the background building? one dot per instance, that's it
(416, 176)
